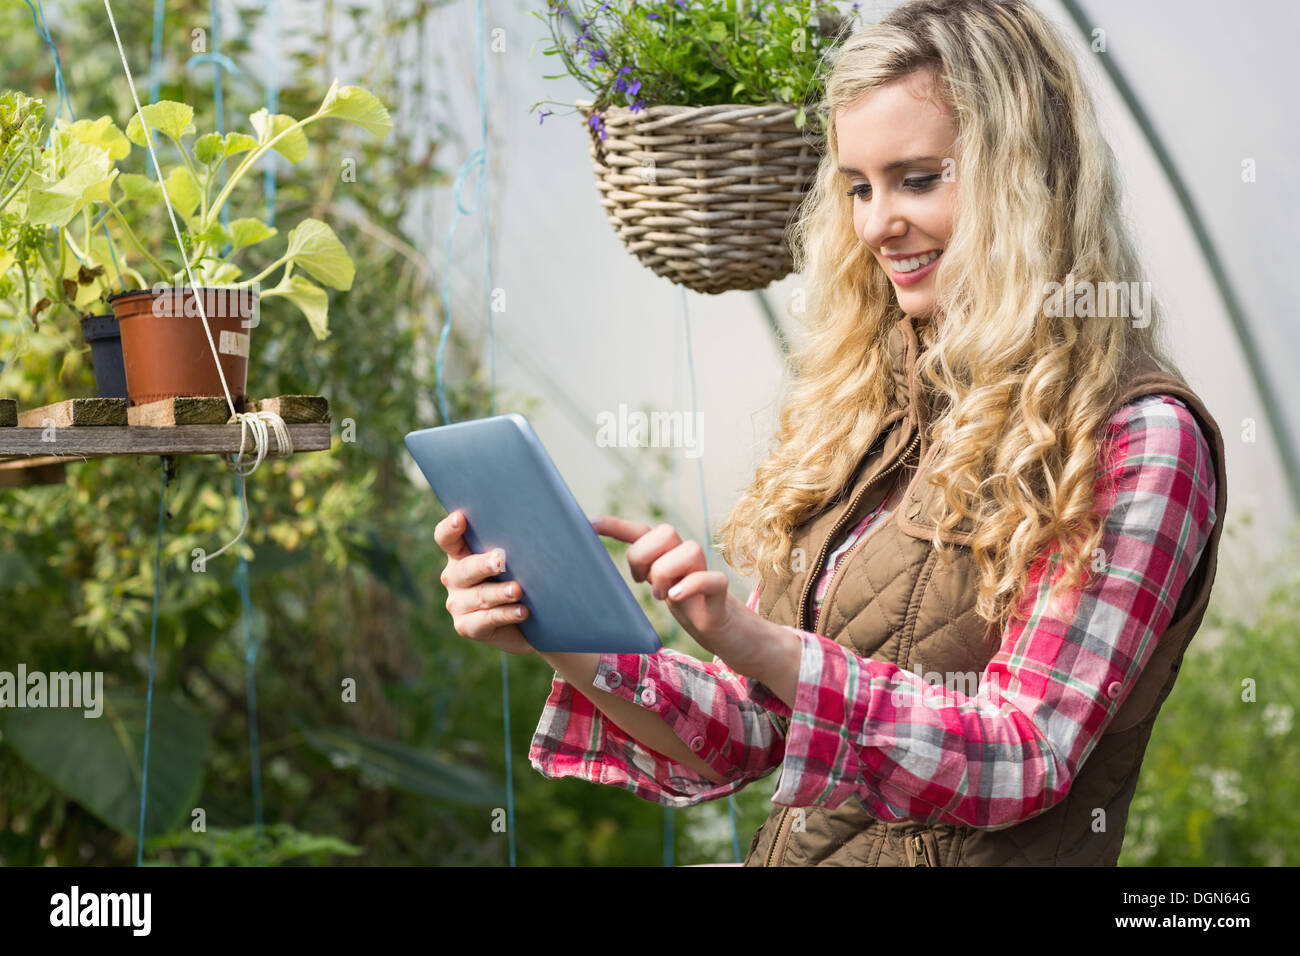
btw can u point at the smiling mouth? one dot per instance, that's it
(905, 266)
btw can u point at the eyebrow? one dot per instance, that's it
(850, 171)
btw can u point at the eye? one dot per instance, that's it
(919, 183)
(861, 191)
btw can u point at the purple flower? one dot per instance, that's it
(632, 90)
(680, 3)
(637, 106)
(652, 16)
(541, 116)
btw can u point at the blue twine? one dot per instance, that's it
(153, 643)
(65, 101)
(44, 31)
(272, 107)
(477, 160)
(251, 645)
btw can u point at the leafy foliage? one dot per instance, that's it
(695, 52)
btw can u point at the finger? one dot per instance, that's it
(682, 560)
(482, 625)
(474, 569)
(649, 548)
(620, 528)
(509, 639)
(449, 534)
(483, 596)
(709, 583)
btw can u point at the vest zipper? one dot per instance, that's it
(821, 557)
(780, 837)
(918, 851)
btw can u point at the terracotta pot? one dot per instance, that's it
(164, 347)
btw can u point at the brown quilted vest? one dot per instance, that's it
(893, 598)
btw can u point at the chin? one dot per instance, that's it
(917, 306)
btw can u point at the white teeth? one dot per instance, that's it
(914, 263)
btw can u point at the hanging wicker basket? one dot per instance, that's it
(705, 195)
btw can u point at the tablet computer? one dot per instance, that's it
(497, 472)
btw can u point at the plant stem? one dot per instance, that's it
(264, 273)
(248, 162)
(135, 240)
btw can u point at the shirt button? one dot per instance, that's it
(614, 679)
(1113, 690)
(697, 744)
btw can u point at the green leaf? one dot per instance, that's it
(207, 148)
(222, 274)
(183, 191)
(137, 186)
(310, 298)
(238, 143)
(247, 232)
(104, 134)
(359, 106)
(89, 179)
(708, 81)
(397, 765)
(6, 260)
(717, 32)
(211, 148)
(313, 245)
(292, 147)
(167, 116)
(96, 761)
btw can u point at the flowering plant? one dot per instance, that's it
(695, 52)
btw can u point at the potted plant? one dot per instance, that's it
(62, 186)
(700, 127)
(165, 346)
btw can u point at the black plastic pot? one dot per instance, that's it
(105, 339)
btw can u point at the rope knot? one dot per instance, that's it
(261, 424)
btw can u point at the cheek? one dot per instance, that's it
(940, 215)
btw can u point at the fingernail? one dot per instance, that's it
(519, 613)
(675, 591)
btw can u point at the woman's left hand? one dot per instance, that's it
(697, 597)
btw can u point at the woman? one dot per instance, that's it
(989, 526)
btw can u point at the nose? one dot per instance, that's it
(881, 222)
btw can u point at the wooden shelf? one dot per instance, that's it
(87, 441)
(40, 441)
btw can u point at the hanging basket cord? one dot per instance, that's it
(262, 424)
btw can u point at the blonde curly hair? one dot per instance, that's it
(1020, 396)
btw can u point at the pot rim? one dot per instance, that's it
(126, 293)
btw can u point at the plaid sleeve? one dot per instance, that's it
(915, 751)
(705, 704)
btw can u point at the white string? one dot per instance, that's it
(258, 422)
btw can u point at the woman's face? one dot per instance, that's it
(896, 146)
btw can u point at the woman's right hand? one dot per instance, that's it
(482, 610)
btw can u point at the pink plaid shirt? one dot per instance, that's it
(911, 750)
